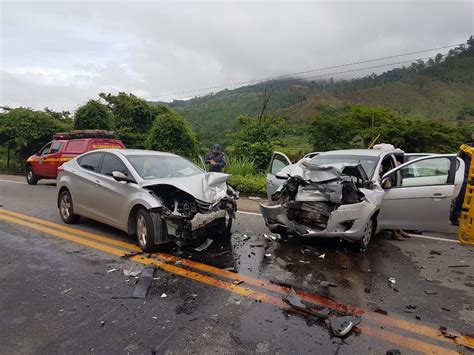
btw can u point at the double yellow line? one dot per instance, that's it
(416, 334)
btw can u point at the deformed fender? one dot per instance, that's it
(159, 228)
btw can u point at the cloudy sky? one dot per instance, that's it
(60, 54)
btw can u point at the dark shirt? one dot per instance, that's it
(219, 158)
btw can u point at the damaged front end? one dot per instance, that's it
(186, 214)
(323, 201)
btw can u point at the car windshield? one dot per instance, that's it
(162, 166)
(368, 163)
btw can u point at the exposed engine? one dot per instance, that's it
(311, 203)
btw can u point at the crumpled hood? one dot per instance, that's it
(323, 173)
(206, 187)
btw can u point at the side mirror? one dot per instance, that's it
(119, 176)
(281, 176)
(387, 183)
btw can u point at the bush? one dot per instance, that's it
(242, 166)
(252, 184)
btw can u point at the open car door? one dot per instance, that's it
(418, 194)
(277, 162)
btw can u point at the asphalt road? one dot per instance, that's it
(63, 290)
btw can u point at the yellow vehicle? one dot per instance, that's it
(466, 225)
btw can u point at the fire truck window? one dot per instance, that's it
(112, 163)
(90, 161)
(55, 147)
(76, 146)
(45, 149)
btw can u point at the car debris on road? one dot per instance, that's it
(144, 283)
(204, 245)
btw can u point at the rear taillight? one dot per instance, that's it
(60, 169)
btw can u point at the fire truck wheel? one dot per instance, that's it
(31, 177)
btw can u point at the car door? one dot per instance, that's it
(50, 160)
(84, 185)
(277, 162)
(418, 194)
(114, 196)
(41, 167)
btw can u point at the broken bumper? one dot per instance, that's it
(347, 221)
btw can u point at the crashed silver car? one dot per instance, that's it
(353, 194)
(159, 197)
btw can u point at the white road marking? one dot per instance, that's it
(15, 182)
(260, 215)
(250, 213)
(434, 238)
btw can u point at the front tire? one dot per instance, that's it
(31, 177)
(369, 230)
(66, 208)
(145, 231)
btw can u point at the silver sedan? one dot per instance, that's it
(159, 197)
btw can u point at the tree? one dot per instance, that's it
(171, 133)
(93, 115)
(256, 138)
(356, 126)
(133, 117)
(24, 131)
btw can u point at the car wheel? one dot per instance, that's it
(66, 208)
(31, 177)
(145, 231)
(363, 243)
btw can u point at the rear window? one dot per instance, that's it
(90, 161)
(76, 146)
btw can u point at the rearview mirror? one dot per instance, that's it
(119, 176)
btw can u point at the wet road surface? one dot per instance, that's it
(60, 295)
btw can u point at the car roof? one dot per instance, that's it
(366, 152)
(126, 152)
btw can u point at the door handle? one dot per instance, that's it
(438, 195)
(97, 182)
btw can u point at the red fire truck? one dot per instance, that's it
(64, 147)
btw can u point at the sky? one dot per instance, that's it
(59, 54)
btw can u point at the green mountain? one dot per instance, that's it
(441, 89)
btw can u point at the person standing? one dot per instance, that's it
(215, 159)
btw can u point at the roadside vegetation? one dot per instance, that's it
(426, 107)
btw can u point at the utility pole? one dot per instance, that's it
(266, 98)
(373, 127)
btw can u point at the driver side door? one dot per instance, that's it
(278, 161)
(418, 194)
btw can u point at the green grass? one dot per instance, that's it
(243, 166)
(252, 184)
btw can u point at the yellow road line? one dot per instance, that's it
(399, 323)
(259, 296)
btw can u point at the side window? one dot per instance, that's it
(426, 172)
(45, 149)
(112, 163)
(76, 146)
(387, 165)
(90, 161)
(278, 163)
(55, 147)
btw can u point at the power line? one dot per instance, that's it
(265, 84)
(241, 83)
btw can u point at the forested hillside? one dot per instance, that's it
(441, 88)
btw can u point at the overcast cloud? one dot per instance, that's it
(60, 54)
